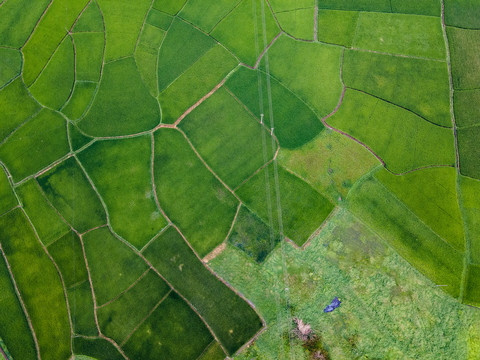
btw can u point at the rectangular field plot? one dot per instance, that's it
(464, 49)
(470, 203)
(424, 7)
(299, 22)
(227, 137)
(337, 27)
(190, 195)
(467, 111)
(188, 341)
(303, 209)
(472, 289)
(230, 317)
(469, 151)
(404, 231)
(89, 52)
(39, 285)
(393, 133)
(81, 309)
(465, 14)
(69, 191)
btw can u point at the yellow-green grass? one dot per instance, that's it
(17, 24)
(53, 86)
(123, 23)
(331, 163)
(14, 328)
(467, 111)
(68, 190)
(470, 204)
(384, 299)
(48, 224)
(146, 60)
(38, 143)
(295, 123)
(10, 65)
(213, 352)
(237, 30)
(171, 7)
(421, 86)
(190, 195)
(39, 285)
(253, 236)
(432, 195)
(206, 15)
(89, 55)
(230, 317)
(17, 106)
(402, 139)
(286, 5)
(188, 339)
(7, 197)
(152, 38)
(195, 82)
(337, 26)
(96, 349)
(119, 318)
(303, 209)
(159, 19)
(128, 195)
(464, 48)
(77, 139)
(298, 23)
(81, 309)
(48, 34)
(113, 265)
(310, 70)
(469, 151)
(472, 289)
(227, 137)
(123, 104)
(462, 13)
(400, 34)
(81, 98)
(182, 47)
(91, 19)
(407, 234)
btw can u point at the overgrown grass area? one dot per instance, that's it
(230, 317)
(39, 285)
(129, 196)
(227, 137)
(113, 265)
(302, 208)
(191, 196)
(470, 204)
(68, 190)
(421, 86)
(119, 318)
(392, 133)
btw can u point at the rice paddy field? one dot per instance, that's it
(198, 180)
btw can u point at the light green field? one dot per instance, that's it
(298, 23)
(159, 19)
(470, 202)
(91, 20)
(464, 47)
(89, 51)
(11, 63)
(80, 99)
(337, 27)
(206, 15)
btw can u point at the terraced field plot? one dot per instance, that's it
(186, 179)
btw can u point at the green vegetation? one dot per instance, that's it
(407, 234)
(286, 106)
(48, 224)
(206, 15)
(357, 5)
(310, 70)
(68, 190)
(159, 19)
(39, 285)
(303, 209)
(418, 85)
(230, 317)
(425, 7)
(220, 129)
(331, 163)
(464, 47)
(38, 143)
(129, 195)
(253, 236)
(89, 55)
(469, 151)
(151, 38)
(195, 82)
(122, 96)
(96, 348)
(146, 60)
(431, 194)
(462, 13)
(467, 113)
(298, 23)
(472, 291)
(90, 20)
(392, 132)
(187, 341)
(10, 65)
(77, 139)
(119, 318)
(337, 27)
(81, 309)
(14, 328)
(7, 197)
(113, 265)
(53, 86)
(470, 203)
(169, 6)
(191, 196)
(80, 99)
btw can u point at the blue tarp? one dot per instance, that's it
(333, 305)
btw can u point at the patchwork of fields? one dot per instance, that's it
(179, 179)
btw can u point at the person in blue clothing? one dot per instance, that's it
(333, 305)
